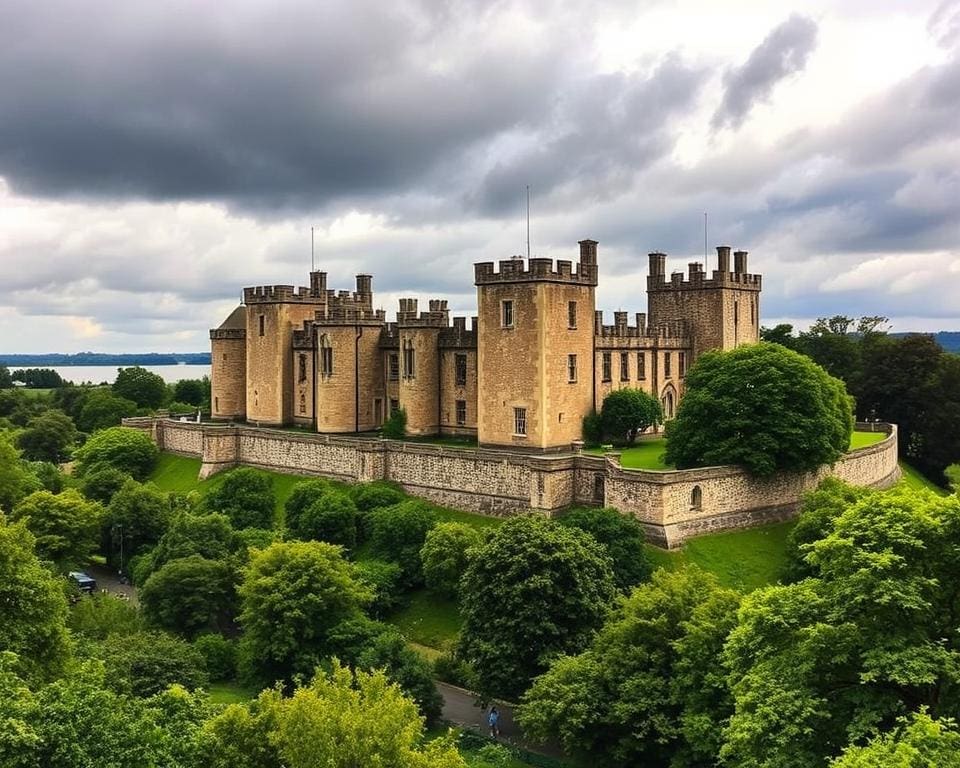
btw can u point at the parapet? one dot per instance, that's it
(537, 270)
(696, 278)
(621, 329)
(281, 294)
(458, 336)
(437, 317)
(228, 334)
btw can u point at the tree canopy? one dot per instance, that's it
(626, 413)
(146, 389)
(621, 537)
(763, 407)
(246, 497)
(533, 590)
(123, 448)
(444, 556)
(66, 525)
(48, 437)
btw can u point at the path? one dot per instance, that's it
(460, 708)
(107, 579)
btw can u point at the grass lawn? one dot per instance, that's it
(741, 560)
(863, 439)
(230, 693)
(428, 620)
(35, 393)
(914, 480)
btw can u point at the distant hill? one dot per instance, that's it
(949, 340)
(101, 358)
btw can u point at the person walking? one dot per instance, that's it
(493, 720)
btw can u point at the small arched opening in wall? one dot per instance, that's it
(598, 489)
(668, 400)
(696, 497)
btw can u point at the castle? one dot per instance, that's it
(535, 360)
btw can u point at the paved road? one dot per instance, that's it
(107, 579)
(462, 708)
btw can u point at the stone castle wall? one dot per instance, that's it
(503, 482)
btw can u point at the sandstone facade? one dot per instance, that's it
(535, 360)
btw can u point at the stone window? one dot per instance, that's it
(394, 405)
(571, 314)
(460, 363)
(520, 421)
(326, 357)
(301, 368)
(261, 325)
(409, 360)
(461, 412)
(696, 498)
(736, 312)
(598, 488)
(641, 366)
(624, 366)
(667, 402)
(303, 403)
(216, 404)
(394, 366)
(606, 367)
(378, 410)
(666, 364)
(506, 313)
(682, 363)
(751, 312)
(572, 368)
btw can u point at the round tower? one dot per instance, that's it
(228, 367)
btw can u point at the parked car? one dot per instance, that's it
(85, 583)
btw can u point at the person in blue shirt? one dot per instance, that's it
(493, 720)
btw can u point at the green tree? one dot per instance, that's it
(385, 582)
(395, 427)
(101, 409)
(246, 497)
(398, 533)
(145, 663)
(101, 615)
(38, 378)
(66, 525)
(123, 448)
(332, 518)
(6, 380)
(371, 496)
(49, 475)
(101, 484)
(219, 656)
(953, 477)
(781, 334)
(444, 556)
(16, 480)
(210, 536)
(340, 720)
(651, 689)
(918, 741)
(48, 437)
(137, 516)
(147, 390)
(761, 406)
(192, 391)
(293, 594)
(390, 651)
(189, 595)
(34, 608)
(622, 538)
(939, 432)
(626, 413)
(829, 661)
(532, 590)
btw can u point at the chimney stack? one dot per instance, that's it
(318, 283)
(740, 262)
(723, 258)
(658, 264)
(588, 251)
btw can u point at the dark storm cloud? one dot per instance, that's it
(782, 53)
(282, 105)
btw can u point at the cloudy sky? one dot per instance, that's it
(156, 157)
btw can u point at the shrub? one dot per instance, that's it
(592, 429)
(384, 581)
(627, 413)
(190, 595)
(398, 533)
(125, 449)
(395, 427)
(219, 656)
(101, 484)
(450, 668)
(246, 497)
(332, 518)
(370, 496)
(99, 616)
(444, 556)
(146, 663)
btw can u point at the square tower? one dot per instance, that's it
(535, 350)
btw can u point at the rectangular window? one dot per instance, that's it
(394, 406)
(572, 368)
(261, 325)
(571, 314)
(606, 367)
(624, 366)
(461, 412)
(394, 366)
(408, 363)
(641, 366)
(507, 314)
(301, 368)
(736, 312)
(751, 312)
(216, 404)
(519, 421)
(666, 365)
(326, 361)
(682, 364)
(460, 363)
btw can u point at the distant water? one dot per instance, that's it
(80, 374)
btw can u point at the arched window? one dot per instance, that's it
(696, 497)
(667, 402)
(326, 357)
(303, 403)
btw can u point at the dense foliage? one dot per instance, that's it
(622, 538)
(66, 525)
(445, 556)
(532, 590)
(129, 450)
(48, 437)
(626, 413)
(190, 594)
(395, 427)
(397, 533)
(761, 406)
(246, 497)
(146, 389)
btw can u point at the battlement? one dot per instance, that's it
(621, 329)
(458, 336)
(696, 278)
(517, 270)
(221, 334)
(281, 294)
(438, 316)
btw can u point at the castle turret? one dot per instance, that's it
(228, 367)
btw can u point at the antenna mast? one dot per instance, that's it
(704, 241)
(313, 265)
(528, 222)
